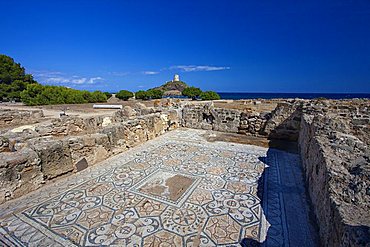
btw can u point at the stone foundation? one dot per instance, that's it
(12, 118)
(51, 151)
(337, 169)
(282, 123)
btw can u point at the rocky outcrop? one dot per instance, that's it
(173, 87)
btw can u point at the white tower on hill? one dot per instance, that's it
(176, 77)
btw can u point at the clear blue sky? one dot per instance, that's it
(227, 46)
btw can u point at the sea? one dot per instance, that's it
(237, 96)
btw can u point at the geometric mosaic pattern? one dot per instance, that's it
(168, 192)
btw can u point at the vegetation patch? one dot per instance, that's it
(37, 94)
(124, 95)
(210, 95)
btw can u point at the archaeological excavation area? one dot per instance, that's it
(182, 173)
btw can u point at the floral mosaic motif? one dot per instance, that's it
(223, 229)
(251, 232)
(238, 174)
(148, 207)
(238, 206)
(210, 182)
(185, 220)
(125, 229)
(199, 239)
(200, 197)
(163, 238)
(203, 158)
(239, 187)
(191, 168)
(125, 179)
(117, 199)
(93, 217)
(172, 162)
(73, 233)
(66, 216)
(222, 161)
(216, 170)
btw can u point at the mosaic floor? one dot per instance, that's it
(176, 190)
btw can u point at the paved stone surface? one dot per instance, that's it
(176, 190)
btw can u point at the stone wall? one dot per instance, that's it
(36, 156)
(12, 118)
(336, 160)
(281, 123)
(206, 116)
(284, 123)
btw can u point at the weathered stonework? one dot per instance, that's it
(337, 169)
(285, 121)
(12, 118)
(282, 123)
(34, 156)
(333, 137)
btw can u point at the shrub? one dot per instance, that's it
(99, 96)
(124, 95)
(155, 93)
(142, 95)
(210, 95)
(37, 94)
(192, 92)
(31, 95)
(108, 94)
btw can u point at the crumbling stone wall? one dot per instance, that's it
(33, 157)
(12, 118)
(282, 123)
(336, 161)
(285, 120)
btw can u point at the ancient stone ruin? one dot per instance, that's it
(333, 139)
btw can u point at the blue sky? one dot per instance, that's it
(226, 46)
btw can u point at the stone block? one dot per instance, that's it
(55, 158)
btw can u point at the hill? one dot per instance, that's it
(173, 87)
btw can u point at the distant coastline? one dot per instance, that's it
(236, 96)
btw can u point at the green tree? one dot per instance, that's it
(124, 95)
(209, 95)
(13, 78)
(192, 92)
(155, 93)
(142, 95)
